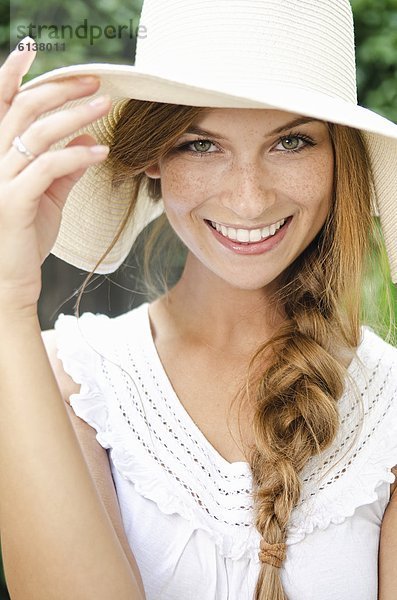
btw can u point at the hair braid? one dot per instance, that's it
(297, 418)
(296, 400)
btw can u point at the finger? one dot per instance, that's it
(62, 186)
(30, 104)
(16, 65)
(43, 133)
(39, 175)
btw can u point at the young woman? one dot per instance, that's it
(235, 438)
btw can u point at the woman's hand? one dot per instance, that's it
(33, 191)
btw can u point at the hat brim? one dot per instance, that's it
(92, 214)
(124, 81)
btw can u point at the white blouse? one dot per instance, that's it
(187, 512)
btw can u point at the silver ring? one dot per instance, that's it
(20, 146)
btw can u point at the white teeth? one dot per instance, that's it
(247, 235)
(265, 232)
(243, 235)
(255, 235)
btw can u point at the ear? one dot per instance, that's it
(153, 171)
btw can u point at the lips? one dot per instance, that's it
(247, 236)
(251, 248)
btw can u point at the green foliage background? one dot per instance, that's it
(376, 50)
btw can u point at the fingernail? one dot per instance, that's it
(99, 101)
(22, 45)
(99, 149)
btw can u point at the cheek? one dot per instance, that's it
(313, 187)
(183, 187)
(325, 183)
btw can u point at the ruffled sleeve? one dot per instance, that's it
(80, 347)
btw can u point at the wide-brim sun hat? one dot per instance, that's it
(291, 55)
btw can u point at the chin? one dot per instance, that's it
(248, 284)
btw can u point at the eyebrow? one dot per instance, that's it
(285, 127)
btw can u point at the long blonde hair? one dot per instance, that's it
(296, 394)
(296, 397)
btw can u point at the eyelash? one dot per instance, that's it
(309, 142)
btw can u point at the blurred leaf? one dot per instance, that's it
(376, 51)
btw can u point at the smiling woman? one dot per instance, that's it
(247, 413)
(280, 313)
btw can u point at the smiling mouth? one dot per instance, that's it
(248, 236)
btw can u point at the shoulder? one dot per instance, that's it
(380, 357)
(65, 383)
(99, 329)
(76, 346)
(377, 357)
(374, 345)
(375, 373)
(372, 373)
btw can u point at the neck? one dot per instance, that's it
(212, 312)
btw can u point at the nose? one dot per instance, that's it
(249, 192)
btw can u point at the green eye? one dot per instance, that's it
(202, 142)
(290, 143)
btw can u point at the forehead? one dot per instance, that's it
(268, 120)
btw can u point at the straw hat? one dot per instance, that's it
(292, 55)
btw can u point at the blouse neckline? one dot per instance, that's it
(237, 468)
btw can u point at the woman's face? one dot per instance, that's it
(228, 190)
